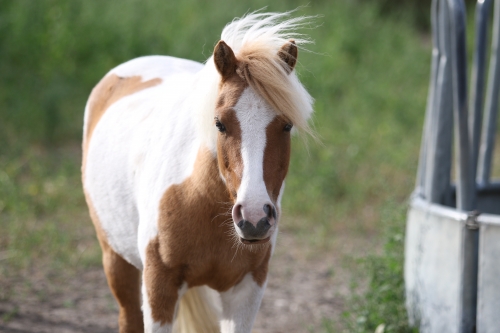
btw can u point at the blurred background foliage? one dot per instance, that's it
(55, 51)
(368, 71)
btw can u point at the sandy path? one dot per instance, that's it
(303, 288)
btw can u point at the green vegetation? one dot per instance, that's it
(368, 71)
(383, 303)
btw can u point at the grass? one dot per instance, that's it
(383, 302)
(368, 73)
(44, 218)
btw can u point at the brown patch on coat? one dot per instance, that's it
(276, 156)
(196, 243)
(163, 284)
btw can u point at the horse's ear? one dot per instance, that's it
(288, 53)
(224, 59)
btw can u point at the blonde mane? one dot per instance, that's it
(256, 40)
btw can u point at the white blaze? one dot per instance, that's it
(254, 115)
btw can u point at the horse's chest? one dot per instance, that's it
(222, 272)
(214, 259)
(196, 236)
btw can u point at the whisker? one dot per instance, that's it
(227, 221)
(216, 216)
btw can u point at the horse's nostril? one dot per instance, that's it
(263, 225)
(237, 215)
(268, 210)
(241, 223)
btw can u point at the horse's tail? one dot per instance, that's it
(199, 311)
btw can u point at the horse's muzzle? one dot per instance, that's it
(251, 232)
(252, 228)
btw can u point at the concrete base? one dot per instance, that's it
(434, 262)
(488, 310)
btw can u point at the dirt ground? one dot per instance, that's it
(304, 288)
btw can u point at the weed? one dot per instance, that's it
(383, 303)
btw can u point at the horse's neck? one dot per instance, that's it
(177, 147)
(204, 189)
(206, 176)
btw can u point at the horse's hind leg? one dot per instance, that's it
(124, 280)
(125, 283)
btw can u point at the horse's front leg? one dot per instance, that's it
(162, 287)
(240, 305)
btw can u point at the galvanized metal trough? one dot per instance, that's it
(452, 249)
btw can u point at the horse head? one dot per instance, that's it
(253, 139)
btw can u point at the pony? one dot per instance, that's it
(183, 172)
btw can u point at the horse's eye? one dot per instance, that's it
(288, 127)
(220, 126)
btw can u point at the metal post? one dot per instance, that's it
(458, 57)
(421, 172)
(465, 178)
(439, 132)
(478, 78)
(491, 109)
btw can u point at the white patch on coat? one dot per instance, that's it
(254, 115)
(240, 305)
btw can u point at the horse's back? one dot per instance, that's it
(151, 67)
(122, 119)
(130, 80)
